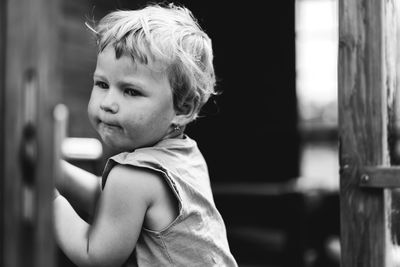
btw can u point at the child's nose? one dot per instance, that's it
(109, 103)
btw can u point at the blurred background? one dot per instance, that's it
(270, 138)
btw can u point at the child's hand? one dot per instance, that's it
(56, 194)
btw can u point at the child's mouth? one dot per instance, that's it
(108, 125)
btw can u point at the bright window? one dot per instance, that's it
(316, 83)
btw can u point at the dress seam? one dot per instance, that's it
(165, 248)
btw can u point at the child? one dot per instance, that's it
(154, 205)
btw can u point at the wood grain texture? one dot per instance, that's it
(366, 77)
(380, 177)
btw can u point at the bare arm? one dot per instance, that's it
(117, 223)
(80, 187)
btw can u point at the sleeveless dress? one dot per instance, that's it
(197, 237)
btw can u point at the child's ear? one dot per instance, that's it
(184, 115)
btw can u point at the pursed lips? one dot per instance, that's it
(109, 125)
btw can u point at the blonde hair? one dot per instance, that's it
(169, 35)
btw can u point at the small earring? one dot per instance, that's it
(177, 128)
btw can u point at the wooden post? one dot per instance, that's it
(2, 125)
(367, 79)
(32, 88)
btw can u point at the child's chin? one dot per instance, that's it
(116, 148)
(113, 146)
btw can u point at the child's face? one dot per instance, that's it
(131, 106)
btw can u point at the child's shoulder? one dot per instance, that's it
(149, 188)
(134, 179)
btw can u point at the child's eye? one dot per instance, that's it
(101, 84)
(132, 92)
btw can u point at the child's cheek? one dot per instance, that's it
(92, 114)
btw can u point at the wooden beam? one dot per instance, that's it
(32, 89)
(380, 177)
(364, 87)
